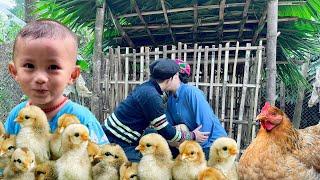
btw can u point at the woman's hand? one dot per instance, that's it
(200, 137)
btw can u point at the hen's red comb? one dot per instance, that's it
(266, 106)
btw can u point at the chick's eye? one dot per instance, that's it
(28, 65)
(53, 67)
(133, 176)
(224, 148)
(26, 117)
(116, 156)
(192, 153)
(148, 145)
(11, 147)
(76, 134)
(19, 161)
(108, 154)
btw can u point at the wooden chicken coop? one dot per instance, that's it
(223, 41)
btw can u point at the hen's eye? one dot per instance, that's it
(26, 117)
(53, 67)
(108, 154)
(224, 148)
(76, 134)
(148, 145)
(11, 147)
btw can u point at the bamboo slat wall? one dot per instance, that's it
(228, 75)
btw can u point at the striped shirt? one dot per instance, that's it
(144, 107)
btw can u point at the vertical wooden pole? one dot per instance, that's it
(126, 78)
(141, 63)
(212, 76)
(198, 66)
(224, 85)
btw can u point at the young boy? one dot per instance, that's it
(44, 64)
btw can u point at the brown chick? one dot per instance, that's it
(34, 133)
(223, 153)
(129, 171)
(280, 151)
(113, 156)
(190, 161)
(46, 171)
(7, 147)
(211, 173)
(74, 162)
(156, 162)
(55, 141)
(21, 166)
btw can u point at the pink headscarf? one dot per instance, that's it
(184, 67)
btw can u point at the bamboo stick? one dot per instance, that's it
(224, 87)
(116, 71)
(173, 53)
(179, 50)
(232, 90)
(213, 56)
(195, 50)
(198, 68)
(185, 52)
(218, 79)
(165, 51)
(147, 61)
(243, 94)
(205, 69)
(156, 56)
(134, 65)
(256, 95)
(141, 64)
(126, 88)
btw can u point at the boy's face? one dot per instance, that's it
(44, 67)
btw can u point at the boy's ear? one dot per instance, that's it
(74, 75)
(12, 70)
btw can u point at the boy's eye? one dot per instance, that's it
(53, 67)
(28, 65)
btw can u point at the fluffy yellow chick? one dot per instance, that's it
(222, 156)
(21, 165)
(113, 156)
(55, 141)
(211, 173)
(46, 171)
(2, 131)
(34, 133)
(74, 162)
(190, 161)
(7, 147)
(156, 163)
(129, 171)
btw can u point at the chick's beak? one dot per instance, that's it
(85, 137)
(183, 157)
(18, 119)
(61, 130)
(138, 148)
(233, 151)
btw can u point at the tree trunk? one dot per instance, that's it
(298, 108)
(96, 61)
(29, 7)
(272, 26)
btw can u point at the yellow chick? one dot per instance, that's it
(74, 162)
(2, 131)
(55, 141)
(46, 171)
(113, 156)
(21, 165)
(190, 161)
(34, 133)
(94, 151)
(156, 163)
(222, 156)
(7, 147)
(129, 171)
(211, 173)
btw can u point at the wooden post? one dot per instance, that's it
(97, 55)
(298, 108)
(198, 66)
(272, 28)
(213, 56)
(224, 84)
(126, 73)
(173, 52)
(141, 63)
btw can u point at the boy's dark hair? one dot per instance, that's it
(45, 28)
(184, 77)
